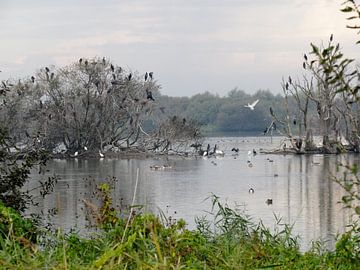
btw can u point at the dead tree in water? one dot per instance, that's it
(338, 114)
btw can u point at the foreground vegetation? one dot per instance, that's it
(144, 241)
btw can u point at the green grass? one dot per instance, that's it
(145, 241)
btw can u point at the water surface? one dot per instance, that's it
(300, 187)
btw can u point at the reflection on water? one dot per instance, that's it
(300, 187)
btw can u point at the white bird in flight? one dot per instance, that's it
(252, 105)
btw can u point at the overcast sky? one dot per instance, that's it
(192, 46)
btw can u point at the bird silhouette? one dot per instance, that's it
(236, 150)
(129, 77)
(47, 69)
(331, 37)
(32, 79)
(146, 76)
(271, 111)
(112, 68)
(80, 60)
(149, 95)
(251, 191)
(269, 201)
(104, 61)
(151, 75)
(305, 57)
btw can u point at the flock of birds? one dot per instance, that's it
(77, 153)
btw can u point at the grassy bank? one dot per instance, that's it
(145, 241)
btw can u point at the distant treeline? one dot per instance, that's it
(228, 114)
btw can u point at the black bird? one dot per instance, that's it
(305, 57)
(146, 76)
(271, 111)
(304, 65)
(287, 86)
(236, 150)
(318, 108)
(184, 121)
(80, 60)
(47, 69)
(331, 37)
(266, 130)
(269, 201)
(112, 68)
(149, 95)
(254, 152)
(151, 75)
(86, 62)
(32, 79)
(129, 77)
(104, 61)
(298, 143)
(290, 81)
(52, 75)
(114, 76)
(294, 121)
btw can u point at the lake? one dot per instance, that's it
(300, 186)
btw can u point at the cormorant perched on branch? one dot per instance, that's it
(146, 76)
(32, 79)
(104, 61)
(80, 60)
(149, 95)
(151, 75)
(298, 143)
(129, 77)
(112, 68)
(47, 69)
(271, 112)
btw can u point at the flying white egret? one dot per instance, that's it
(252, 105)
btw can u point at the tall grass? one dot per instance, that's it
(145, 241)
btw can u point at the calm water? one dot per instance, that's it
(300, 187)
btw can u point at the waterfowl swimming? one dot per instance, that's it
(251, 190)
(269, 201)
